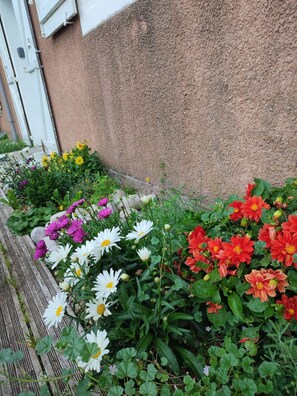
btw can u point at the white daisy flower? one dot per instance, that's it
(141, 229)
(100, 338)
(83, 253)
(106, 283)
(55, 311)
(64, 285)
(107, 239)
(98, 308)
(144, 254)
(75, 273)
(59, 255)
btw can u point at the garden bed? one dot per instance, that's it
(175, 300)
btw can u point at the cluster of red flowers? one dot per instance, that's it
(228, 255)
(283, 242)
(266, 282)
(290, 304)
(250, 209)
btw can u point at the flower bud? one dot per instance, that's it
(157, 279)
(277, 214)
(207, 276)
(125, 277)
(167, 227)
(244, 222)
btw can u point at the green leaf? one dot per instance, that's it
(9, 356)
(257, 306)
(166, 352)
(130, 388)
(245, 386)
(218, 319)
(251, 347)
(165, 390)
(126, 369)
(228, 360)
(164, 361)
(44, 391)
(191, 360)
(154, 241)
(268, 369)
(246, 364)
(204, 290)
(144, 343)
(149, 374)
(115, 391)
(178, 392)
(149, 389)
(44, 345)
(90, 349)
(292, 279)
(27, 394)
(266, 388)
(235, 305)
(179, 316)
(126, 353)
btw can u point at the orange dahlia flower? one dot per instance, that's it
(267, 234)
(212, 307)
(238, 250)
(237, 214)
(260, 287)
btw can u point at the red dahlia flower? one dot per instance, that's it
(214, 246)
(267, 234)
(249, 189)
(283, 248)
(239, 250)
(252, 208)
(291, 224)
(260, 284)
(212, 307)
(237, 214)
(290, 305)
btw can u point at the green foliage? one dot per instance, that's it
(103, 186)
(8, 146)
(20, 222)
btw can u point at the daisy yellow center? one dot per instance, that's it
(140, 233)
(59, 310)
(109, 285)
(254, 207)
(101, 309)
(259, 285)
(216, 249)
(236, 210)
(78, 272)
(290, 249)
(291, 311)
(96, 354)
(105, 243)
(237, 249)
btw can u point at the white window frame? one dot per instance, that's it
(93, 13)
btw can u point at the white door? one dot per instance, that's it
(24, 67)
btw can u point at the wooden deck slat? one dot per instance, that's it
(36, 287)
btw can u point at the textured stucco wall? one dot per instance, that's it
(206, 86)
(4, 122)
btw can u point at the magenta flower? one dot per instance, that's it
(52, 230)
(74, 226)
(79, 235)
(104, 213)
(73, 206)
(62, 222)
(33, 167)
(103, 202)
(23, 183)
(41, 249)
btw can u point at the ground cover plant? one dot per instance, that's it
(175, 300)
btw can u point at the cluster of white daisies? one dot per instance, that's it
(105, 283)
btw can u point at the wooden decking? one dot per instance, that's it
(26, 287)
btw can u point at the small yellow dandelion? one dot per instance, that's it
(61, 207)
(53, 154)
(79, 160)
(65, 156)
(80, 145)
(147, 179)
(44, 160)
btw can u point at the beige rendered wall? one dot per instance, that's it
(4, 122)
(206, 86)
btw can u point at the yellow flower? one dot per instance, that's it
(65, 156)
(53, 154)
(61, 207)
(80, 145)
(44, 160)
(147, 179)
(79, 160)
